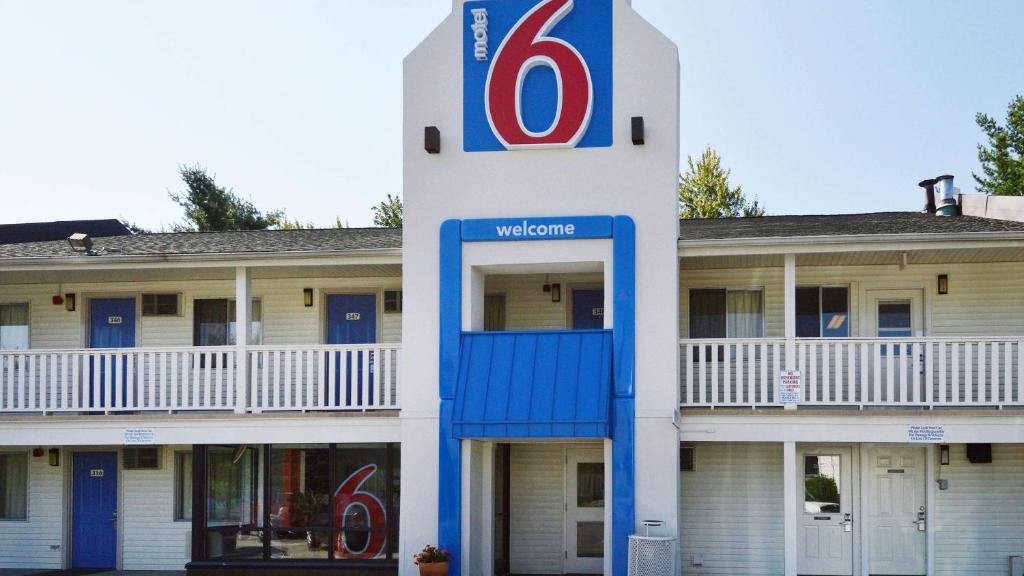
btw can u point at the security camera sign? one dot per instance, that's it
(791, 390)
(537, 74)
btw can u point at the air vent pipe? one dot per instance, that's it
(929, 194)
(945, 195)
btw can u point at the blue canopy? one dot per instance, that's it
(535, 384)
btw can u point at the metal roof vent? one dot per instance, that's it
(945, 196)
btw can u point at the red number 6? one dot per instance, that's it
(348, 498)
(525, 47)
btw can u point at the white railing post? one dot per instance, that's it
(243, 330)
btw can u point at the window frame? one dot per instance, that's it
(229, 321)
(726, 289)
(821, 325)
(156, 305)
(181, 512)
(25, 455)
(28, 324)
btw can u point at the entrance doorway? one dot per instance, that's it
(896, 510)
(94, 510)
(584, 511)
(825, 514)
(587, 309)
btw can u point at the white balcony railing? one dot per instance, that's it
(924, 372)
(363, 377)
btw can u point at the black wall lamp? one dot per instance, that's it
(556, 292)
(636, 126)
(69, 302)
(432, 140)
(943, 284)
(54, 456)
(307, 297)
(944, 454)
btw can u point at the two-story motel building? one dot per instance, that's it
(541, 360)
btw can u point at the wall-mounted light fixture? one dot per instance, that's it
(556, 292)
(432, 140)
(307, 297)
(69, 302)
(54, 456)
(943, 284)
(944, 454)
(636, 128)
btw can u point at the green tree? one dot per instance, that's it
(1002, 161)
(388, 214)
(704, 191)
(209, 207)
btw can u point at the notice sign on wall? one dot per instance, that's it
(139, 436)
(930, 433)
(791, 390)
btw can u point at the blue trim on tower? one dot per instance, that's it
(623, 423)
(449, 490)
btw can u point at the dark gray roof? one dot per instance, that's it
(211, 243)
(839, 225)
(60, 229)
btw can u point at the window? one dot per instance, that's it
(214, 322)
(183, 486)
(13, 486)
(894, 319)
(159, 304)
(823, 312)
(721, 313)
(232, 501)
(13, 326)
(494, 312)
(392, 301)
(821, 484)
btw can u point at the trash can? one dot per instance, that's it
(652, 556)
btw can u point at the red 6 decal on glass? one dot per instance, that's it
(361, 517)
(537, 74)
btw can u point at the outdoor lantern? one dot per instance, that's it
(307, 297)
(556, 292)
(944, 454)
(943, 284)
(54, 456)
(69, 302)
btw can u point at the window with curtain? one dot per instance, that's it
(823, 312)
(14, 326)
(214, 322)
(722, 313)
(13, 486)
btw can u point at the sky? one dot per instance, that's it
(816, 106)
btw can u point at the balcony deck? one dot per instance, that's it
(924, 373)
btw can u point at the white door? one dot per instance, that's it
(584, 511)
(825, 515)
(896, 510)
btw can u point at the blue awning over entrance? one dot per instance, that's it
(537, 384)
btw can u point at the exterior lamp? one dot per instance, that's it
(307, 297)
(54, 456)
(943, 284)
(556, 292)
(944, 454)
(69, 302)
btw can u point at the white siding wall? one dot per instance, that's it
(731, 510)
(979, 520)
(983, 300)
(286, 321)
(537, 499)
(528, 307)
(152, 539)
(36, 542)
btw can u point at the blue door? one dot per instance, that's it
(94, 510)
(111, 325)
(587, 309)
(351, 319)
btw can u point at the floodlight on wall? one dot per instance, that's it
(943, 286)
(80, 242)
(307, 297)
(69, 302)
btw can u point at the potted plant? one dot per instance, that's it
(433, 561)
(309, 509)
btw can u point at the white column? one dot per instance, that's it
(789, 298)
(789, 503)
(931, 455)
(243, 330)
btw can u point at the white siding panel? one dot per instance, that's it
(36, 542)
(537, 502)
(731, 510)
(979, 520)
(152, 539)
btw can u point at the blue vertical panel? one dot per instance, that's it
(351, 319)
(496, 401)
(566, 385)
(94, 510)
(623, 432)
(521, 387)
(111, 325)
(542, 398)
(449, 498)
(593, 363)
(585, 304)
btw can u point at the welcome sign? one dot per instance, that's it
(536, 74)
(545, 228)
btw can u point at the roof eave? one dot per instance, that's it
(848, 243)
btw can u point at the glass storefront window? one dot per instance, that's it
(231, 503)
(365, 525)
(299, 498)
